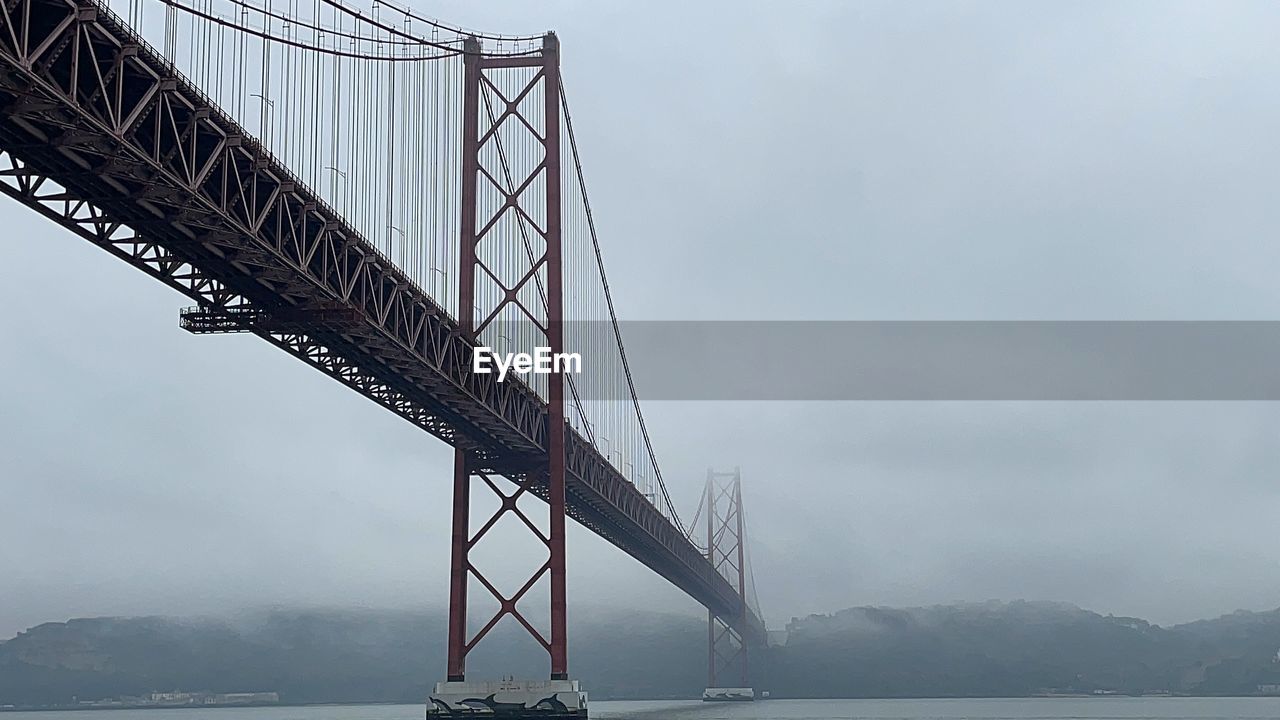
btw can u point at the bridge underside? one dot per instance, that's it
(102, 135)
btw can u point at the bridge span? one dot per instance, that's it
(108, 137)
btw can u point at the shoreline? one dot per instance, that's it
(1057, 696)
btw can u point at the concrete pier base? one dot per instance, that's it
(728, 694)
(509, 700)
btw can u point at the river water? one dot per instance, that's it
(1011, 709)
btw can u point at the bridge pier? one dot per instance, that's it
(510, 700)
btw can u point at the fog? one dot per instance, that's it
(879, 161)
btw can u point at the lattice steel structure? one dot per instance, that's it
(103, 135)
(727, 651)
(535, 219)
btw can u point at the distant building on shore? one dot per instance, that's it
(247, 698)
(178, 698)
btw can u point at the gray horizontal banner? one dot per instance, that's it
(932, 360)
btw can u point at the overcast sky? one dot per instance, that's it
(1012, 160)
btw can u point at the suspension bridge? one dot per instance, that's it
(379, 194)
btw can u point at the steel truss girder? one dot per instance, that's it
(102, 135)
(104, 118)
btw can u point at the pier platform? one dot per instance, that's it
(509, 700)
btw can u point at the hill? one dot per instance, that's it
(971, 650)
(320, 656)
(1018, 649)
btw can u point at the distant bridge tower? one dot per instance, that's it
(728, 661)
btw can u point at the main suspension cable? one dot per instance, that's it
(447, 48)
(306, 46)
(613, 315)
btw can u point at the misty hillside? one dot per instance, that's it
(1021, 648)
(990, 649)
(333, 656)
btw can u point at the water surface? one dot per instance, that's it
(1010, 709)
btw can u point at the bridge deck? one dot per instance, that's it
(101, 134)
